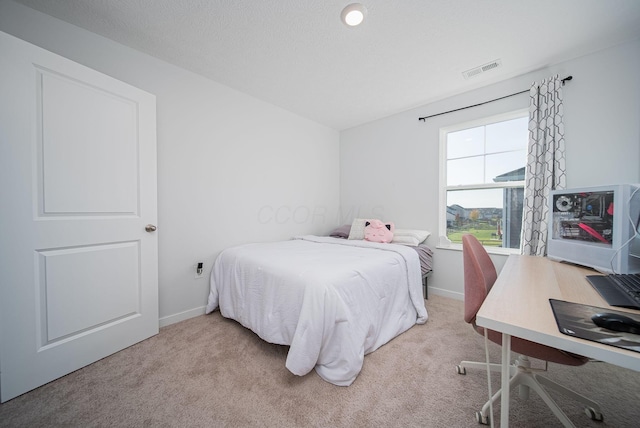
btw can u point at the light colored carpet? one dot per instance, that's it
(211, 372)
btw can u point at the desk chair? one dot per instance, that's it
(479, 276)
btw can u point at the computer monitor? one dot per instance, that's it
(596, 227)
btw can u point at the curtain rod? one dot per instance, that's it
(486, 102)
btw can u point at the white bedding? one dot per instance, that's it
(332, 300)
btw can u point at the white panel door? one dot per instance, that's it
(78, 270)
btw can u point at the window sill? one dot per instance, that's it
(490, 250)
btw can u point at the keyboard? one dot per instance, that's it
(622, 290)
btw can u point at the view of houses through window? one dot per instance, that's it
(485, 164)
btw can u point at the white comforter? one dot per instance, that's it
(332, 300)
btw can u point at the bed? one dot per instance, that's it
(331, 300)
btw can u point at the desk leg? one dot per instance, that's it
(504, 402)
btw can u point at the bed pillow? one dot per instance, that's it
(341, 231)
(357, 228)
(411, 237)
(377, 231)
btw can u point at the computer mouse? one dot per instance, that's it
(616, 322)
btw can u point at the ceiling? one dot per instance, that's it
(298, 55)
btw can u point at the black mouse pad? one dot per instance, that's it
(574, 319)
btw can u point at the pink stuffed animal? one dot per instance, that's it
(377, 231)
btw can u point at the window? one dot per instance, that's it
(482, 180)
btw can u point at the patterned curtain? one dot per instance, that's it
(546, 169)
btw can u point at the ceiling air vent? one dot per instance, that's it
(481, 69)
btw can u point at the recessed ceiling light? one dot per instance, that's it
(353, 14)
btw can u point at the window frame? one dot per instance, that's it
(443, 241)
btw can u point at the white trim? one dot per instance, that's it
(446, 293)
(442, 185)
(489, 186)
(491, 250)
(182, 316)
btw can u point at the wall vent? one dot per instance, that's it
(481, 69)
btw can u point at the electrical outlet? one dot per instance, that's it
(199, 270)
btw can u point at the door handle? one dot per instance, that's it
(150, 228)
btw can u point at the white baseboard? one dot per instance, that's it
(172, 319)
(446, 293)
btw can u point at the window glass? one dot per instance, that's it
(484, 180)
(507, 135)
(466, 171)
(468, 142)
(496, 166)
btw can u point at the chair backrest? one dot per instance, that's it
(479, 276)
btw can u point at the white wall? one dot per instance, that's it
(231, 169)
(389, 168)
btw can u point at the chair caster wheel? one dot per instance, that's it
(483, 420)
(461, 370)
(593, 414)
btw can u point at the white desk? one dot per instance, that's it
(518, 305)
